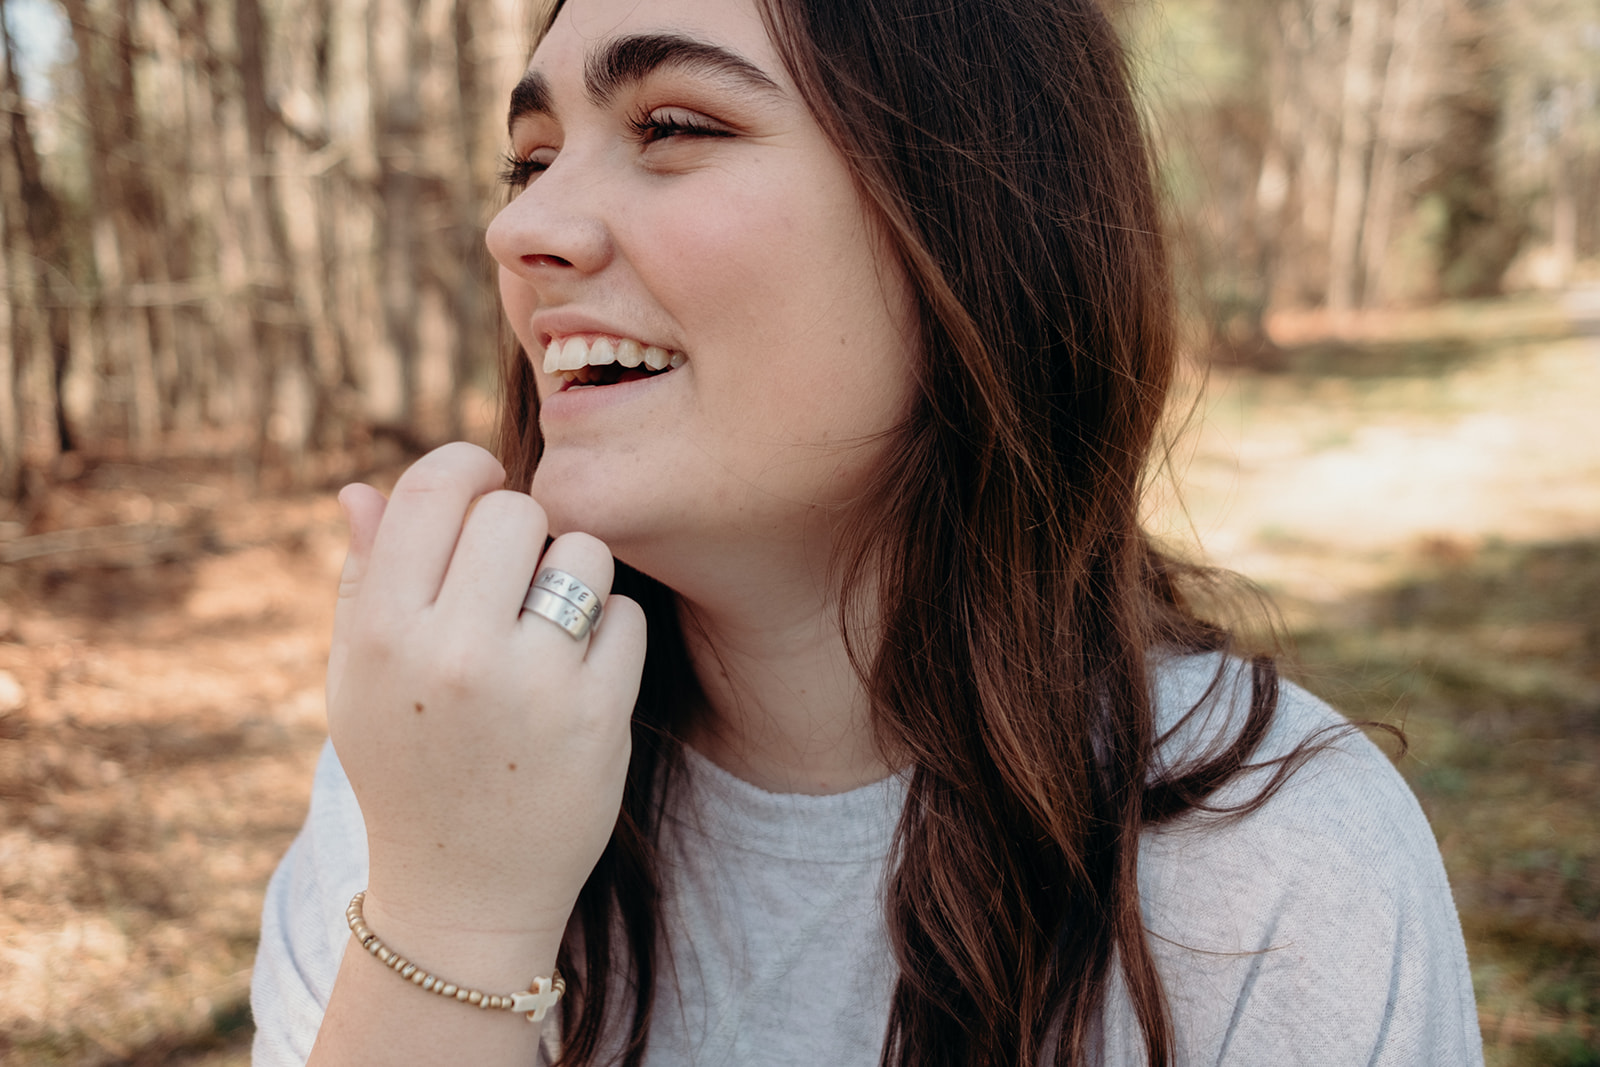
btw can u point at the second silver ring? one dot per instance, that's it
(559, 610)
(572, 590)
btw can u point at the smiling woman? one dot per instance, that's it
(872, 728)
(684, 203)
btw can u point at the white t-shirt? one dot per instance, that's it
(1319, 930)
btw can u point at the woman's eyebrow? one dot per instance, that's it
(626, 60)
(631, 59)
(530, 96)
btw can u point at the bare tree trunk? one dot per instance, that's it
(43, 344)
(230, 396)
(1355, 147)
(172, 53)
(1563, 187)
(1275, 175)
(462, 194)
(1394, 130)
(105, 52)
(393, 57)
(10, 407)
(280, 330)
(1302, 126)
(19, 345)
(329, 340)
(1312, 30)
(138, 224)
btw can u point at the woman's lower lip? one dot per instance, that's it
(572, 400)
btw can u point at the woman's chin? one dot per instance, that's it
(615, 514)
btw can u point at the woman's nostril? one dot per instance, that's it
(546, 261)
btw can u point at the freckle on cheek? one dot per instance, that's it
(511, 766)
(419, 707)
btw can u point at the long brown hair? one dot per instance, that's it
(1019, 600)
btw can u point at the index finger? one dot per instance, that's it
(421, 524)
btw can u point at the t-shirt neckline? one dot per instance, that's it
(847, 827)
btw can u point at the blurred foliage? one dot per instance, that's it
(1365, 153)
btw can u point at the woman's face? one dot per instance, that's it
(682, 206)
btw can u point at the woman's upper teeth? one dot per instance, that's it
(574, 353)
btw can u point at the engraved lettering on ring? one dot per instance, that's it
(571, 590)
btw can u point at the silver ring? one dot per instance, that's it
(570, 589)
(562, 612)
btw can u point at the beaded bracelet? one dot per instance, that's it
(540, 997)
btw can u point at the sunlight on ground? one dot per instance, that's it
(1333, 475)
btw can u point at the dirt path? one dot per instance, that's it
(1437, 432)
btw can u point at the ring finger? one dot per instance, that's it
(569, 587)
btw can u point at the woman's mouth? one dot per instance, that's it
(582, 361)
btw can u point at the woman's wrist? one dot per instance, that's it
(478, 951)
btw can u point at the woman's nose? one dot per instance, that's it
(554, 225)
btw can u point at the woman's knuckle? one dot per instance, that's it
(374, 643)
(588, 544)
(424, 481)
(446, 467)
(508, 505)
(459, 667)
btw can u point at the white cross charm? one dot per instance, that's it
(536, 1001)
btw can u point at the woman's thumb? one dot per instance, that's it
(363, 509)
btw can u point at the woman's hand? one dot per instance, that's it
(487, 747)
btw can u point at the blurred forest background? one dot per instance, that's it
(255, 226)
(243, 262)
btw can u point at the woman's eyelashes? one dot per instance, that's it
(651, 127)
(517, 171)
(646, 128)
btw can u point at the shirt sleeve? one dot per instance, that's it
(303, 930)
(1318, 930)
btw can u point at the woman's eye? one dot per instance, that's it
(664, 123)
(517, 171)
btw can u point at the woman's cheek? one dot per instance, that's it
(731, 246)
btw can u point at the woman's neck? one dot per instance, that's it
(784, 709)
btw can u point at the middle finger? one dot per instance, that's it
(494, 558)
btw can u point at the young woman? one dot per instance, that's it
(845, 329)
